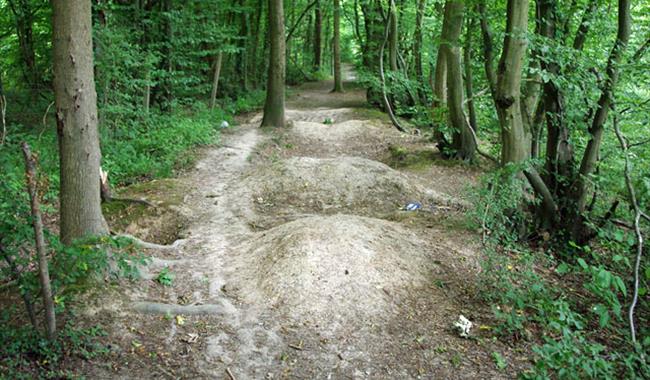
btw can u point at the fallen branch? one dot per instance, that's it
(37, 222)
(232, 377)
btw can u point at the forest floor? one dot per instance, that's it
(299, 262)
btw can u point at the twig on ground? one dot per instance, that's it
(232, 377)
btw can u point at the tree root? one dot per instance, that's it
(148, 245)
(174, 309)
(131, 200)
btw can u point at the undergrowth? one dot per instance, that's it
(574, 297)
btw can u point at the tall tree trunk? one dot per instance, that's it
(318, 31)
(76, 116)
(254, 42)
(488, 50)
(24, 30)
(469, 81)
(3, 110)
(338, 81)
(514, 135)
(274, 105)
(463, 140)
(242, 55)
(559, 154)
(215, 80)
(417, 49)
(590, 157)
(167, 91)
(393, 37)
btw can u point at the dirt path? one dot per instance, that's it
(298, 263)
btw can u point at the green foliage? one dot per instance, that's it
(26, 354)
(157, 145)
(165, 277)
(525, 298)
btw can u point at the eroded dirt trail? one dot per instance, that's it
(298, 262)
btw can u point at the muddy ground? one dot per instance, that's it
(298, 262)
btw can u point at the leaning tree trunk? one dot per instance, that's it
(76, 117)
(274, 105)
(338, 81)
(590, 157)
(463, 139)
(514, 135)
(215, 80)
(41, 247)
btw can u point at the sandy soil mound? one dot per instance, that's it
(306, 185)
(335, 271)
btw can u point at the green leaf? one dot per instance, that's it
(563, 268)
(582, 263)
(604, 278)
(603, 315)
(620, 285)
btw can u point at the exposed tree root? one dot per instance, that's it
(148, 245)
(174, 309)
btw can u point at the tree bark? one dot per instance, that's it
(488, 50)
(559, 154)
(338, 81)
(76, 116)
(463, 141)
(469, 78)
(393, 37)
(215, 80)
(242, 54)
(41, 248)
(318, 31)
(24, 30)
(590, 157)
(166, 61)
(274, 105)
(255, 40)
(417, 49)
(514, 135)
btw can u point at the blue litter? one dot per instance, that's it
(413, 206)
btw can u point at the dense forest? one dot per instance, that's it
(545, 103)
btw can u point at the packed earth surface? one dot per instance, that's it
(294, 258)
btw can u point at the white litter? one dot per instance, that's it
(463, 325)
